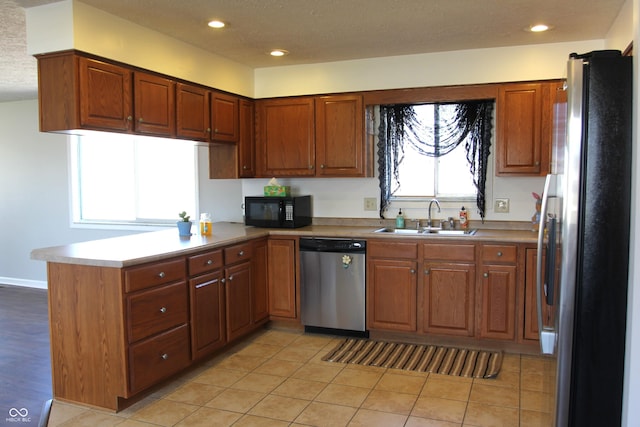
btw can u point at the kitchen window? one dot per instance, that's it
(434, 150)
(123, 180)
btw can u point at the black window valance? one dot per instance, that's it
(467, 122)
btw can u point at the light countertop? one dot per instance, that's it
(140, 248)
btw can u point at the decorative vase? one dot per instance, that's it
(184, 228)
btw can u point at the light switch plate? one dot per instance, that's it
(501, 206)
(370, 204)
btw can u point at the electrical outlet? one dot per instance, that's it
(501, 206)
(370, 204)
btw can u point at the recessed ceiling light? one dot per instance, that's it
(539, 28)
(216, 24)
(279, 52)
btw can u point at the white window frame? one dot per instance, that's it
(76, 221)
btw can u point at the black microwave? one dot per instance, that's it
(277, 212)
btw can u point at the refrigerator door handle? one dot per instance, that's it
(547, 335)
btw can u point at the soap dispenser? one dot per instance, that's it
(400, 220)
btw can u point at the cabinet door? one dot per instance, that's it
(259, 294)
(340, 149)
(224, 117)
(519, 130)
(207, 314)
(448, 298)
(286, 137)
(192, 112)
(498, 314)
(105, 96)
(282, 278)
(154, 101)
(239, 300)
(530, 300)
(246, 147)
(391, 294)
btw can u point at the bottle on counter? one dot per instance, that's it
(205, 224)
(464, 223)
(400, 220)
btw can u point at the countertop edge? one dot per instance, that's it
(136, 249)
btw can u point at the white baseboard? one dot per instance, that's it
(40, 284)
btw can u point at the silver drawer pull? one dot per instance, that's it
(165, 356)
(209, 262)
(231, 277)
(210, 282)
(485, 275)
(499, 253)
(412, 271)
(241, 253)
(161, 275)
(163, 310)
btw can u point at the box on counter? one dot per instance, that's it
(277, 190)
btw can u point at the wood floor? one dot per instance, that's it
(25, 367)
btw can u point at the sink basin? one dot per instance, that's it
(468, 232)
(398, 231)
(438, 231)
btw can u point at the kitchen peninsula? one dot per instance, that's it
(127, 313)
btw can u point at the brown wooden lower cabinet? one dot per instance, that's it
(116, 332)
(448, 298)
(283, 258)
(497, 317)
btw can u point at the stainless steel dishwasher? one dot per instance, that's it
(332, 285)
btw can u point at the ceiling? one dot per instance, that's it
(323, 30)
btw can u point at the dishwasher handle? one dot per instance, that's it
(332, 245)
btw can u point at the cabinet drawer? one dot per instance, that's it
(387, 249)
(205, 262)
(154, 274)
(499, 253)
(156, 310)
(237, 253)
(157, 358)
(449, 252)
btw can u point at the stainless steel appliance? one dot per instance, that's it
(588, 200)
(332, 285)
(277, 212)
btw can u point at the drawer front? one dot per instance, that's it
(388, 249)
(205, 262)
(157, 358)
(237, 253)
(499, 254)
(155, 274)
(449, 252)
(156, 310)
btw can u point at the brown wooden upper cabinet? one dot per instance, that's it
(524, 126)
(311, 136)
(154, 104)
(224, 117)
(205, 115)
(192, 112)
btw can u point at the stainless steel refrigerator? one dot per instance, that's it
(583, 244)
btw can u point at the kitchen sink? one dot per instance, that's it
(438, 231)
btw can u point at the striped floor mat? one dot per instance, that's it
(416, 357)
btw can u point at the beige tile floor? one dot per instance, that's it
(277, 378)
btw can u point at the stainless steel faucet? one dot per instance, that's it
(430, 205)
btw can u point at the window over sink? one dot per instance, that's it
(123, 180)
(434, 150)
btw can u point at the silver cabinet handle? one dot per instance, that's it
(164, 356)
(230, 277)
(209, 262)
(485, 275)
(322, 166)
(426, 271)
(129, 118)
(412, 271)
(202, 285)
(499, 253)
(140, 120)
(161, 275)
(223, 280)
(163, 309)
(241, 253)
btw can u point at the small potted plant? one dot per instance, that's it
(184, 225)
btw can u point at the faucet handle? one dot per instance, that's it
(452, 223)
